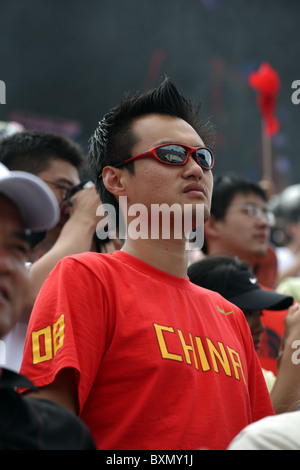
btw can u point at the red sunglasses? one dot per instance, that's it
(175, 154)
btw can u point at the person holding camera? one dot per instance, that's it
(27, 205)
(58, 162)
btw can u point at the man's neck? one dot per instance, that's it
(169, 256)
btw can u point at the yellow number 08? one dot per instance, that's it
(47, 341)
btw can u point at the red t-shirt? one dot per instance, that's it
(272, 337)
(273, 320)
(161, 363)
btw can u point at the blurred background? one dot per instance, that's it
(66, 63)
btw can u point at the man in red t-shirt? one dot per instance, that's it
(147, 359)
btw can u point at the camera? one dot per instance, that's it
(74, 190)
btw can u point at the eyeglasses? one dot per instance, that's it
(62, 189)
(174, 154)
(255, 211)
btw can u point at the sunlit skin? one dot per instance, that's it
(14, 251)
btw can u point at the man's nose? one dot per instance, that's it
(192, 167)
(262, 219)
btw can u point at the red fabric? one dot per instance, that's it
(266, 271)
(273, 321)
(161, 362)
(267, 83)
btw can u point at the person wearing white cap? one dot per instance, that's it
(34, 199)
(38, 210)
(58, 162)
(27, 205)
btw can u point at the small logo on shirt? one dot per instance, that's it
(223, 311)
(253, 280)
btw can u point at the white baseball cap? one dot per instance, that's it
(34, 199)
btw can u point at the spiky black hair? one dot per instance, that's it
(112, 140)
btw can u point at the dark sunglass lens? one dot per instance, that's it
(205, 158)
(171, 154)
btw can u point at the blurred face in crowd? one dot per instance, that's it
(253, 318)
(61, 176)
(14, 251)
(245, 229)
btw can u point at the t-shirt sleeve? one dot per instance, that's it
(67, 327)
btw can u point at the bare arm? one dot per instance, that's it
(76, 237)
(285, 394)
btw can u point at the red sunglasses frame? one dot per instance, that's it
(152, 153)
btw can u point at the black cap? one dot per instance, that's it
(36, 424)
(243, 290)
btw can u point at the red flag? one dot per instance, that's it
(267, 83)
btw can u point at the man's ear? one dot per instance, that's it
(113, 180)
(211, 228)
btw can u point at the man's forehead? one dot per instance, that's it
(158, 120)
(247, 196)
(154, 129)
(63, 172)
